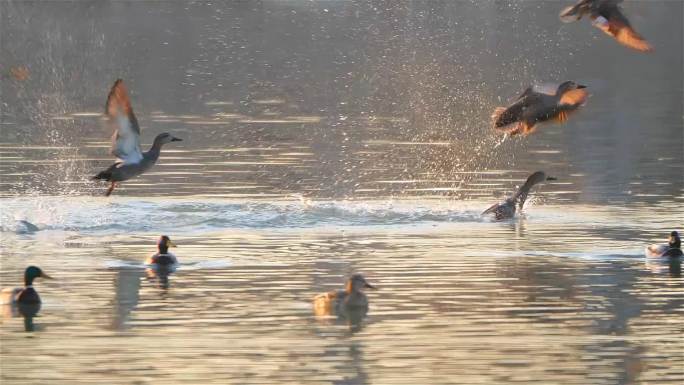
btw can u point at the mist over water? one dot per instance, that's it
(326, 138)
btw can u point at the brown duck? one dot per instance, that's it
(607, 16)
(131, 161)
(351, 297)
(532, 108)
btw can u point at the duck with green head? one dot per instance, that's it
(163, 257)
(27, 294)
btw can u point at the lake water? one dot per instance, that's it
(326, 138)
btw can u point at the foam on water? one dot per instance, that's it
(95, 215)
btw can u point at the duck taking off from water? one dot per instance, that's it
(163, 257)
(607, 16)
(507, 208)
(534, 107)
(341, 300)
(26, 295)
(673, 248)
(131, 161)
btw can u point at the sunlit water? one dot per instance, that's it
(322, 139)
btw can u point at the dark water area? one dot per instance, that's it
(331, 137)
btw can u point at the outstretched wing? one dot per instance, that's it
(617, 26)
(492, 209)
(126, 137)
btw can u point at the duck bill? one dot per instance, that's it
(43, 275)
(551, 178)
(174, 139)
(368, 285)
(170, 244)
(580, 86)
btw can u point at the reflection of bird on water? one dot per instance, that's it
(26, 300)
(672, 249)
(350, 304)
(607, 16)
(162, 264)
(507, 208)
(534, 107)
(126, 297)
(19, 73)
(131, 161)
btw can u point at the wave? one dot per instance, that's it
(92, 215)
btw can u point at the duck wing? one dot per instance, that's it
(126, 137)
(575, 12)
(570, 101)
(9, 295)
(507, 118)
(491, 209)
(521, 195)
(611, 21)
(656, 250)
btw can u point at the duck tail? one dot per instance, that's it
(496, 115)
(507, 122)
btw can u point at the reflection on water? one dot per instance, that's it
(448, 308)
(324, 139)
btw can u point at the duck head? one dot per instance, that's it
(164, 138)
(357, 283)
(33, 272)
(575, 12)
(164, 243)
(538, 177)
(675, 242)
(568, 86)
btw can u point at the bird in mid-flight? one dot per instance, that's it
(533, 107)
(131, 161)
(607, 16)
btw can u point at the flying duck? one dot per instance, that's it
(131, 161)
(534, 107)
(507, 208)
(673, 248)
(607, 16)
(26, 295)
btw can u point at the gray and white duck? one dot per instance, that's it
(508, 208)
(131, 161)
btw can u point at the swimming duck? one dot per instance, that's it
(131, 161)
(351, 297)
(534, 107)
(26, 295)
(673, 248)
(507, 208)
(607, 16)
(163, 257)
